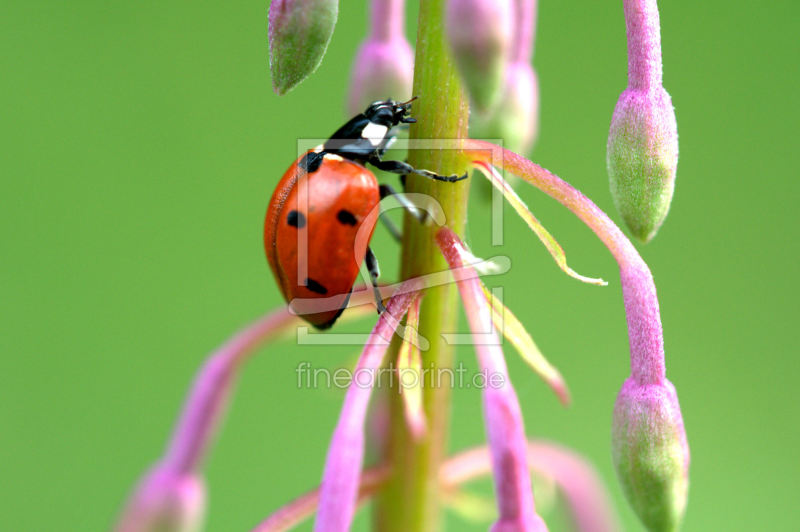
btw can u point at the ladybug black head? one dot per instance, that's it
(389, 113)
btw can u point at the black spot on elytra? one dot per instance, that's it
(296, 219)
(315, 287)
(346, 217)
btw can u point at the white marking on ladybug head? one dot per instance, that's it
(374, 133)
(333, 157)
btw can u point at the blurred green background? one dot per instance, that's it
(141, 142)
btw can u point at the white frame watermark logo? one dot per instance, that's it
(457, 377)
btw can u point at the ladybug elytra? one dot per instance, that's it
(324, 210)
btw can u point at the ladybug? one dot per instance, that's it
(324, 210)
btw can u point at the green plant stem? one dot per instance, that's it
(411, 500)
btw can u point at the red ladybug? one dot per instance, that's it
(323, 213)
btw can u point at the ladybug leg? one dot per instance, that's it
(400, 167)
(374, 273)
(385, 191)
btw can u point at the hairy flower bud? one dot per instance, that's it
(642, 158)
(299, 33)
(642, 150)
(515, 119)
(650, 452)
(480, 32)
(384, 65)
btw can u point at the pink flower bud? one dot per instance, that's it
(384, 65)
(381, 70)
(642, 151)
(650, 452)
(165, 500)
(480, 32)
(642, 159)
(299, 33)
(515, 119)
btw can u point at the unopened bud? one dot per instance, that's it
(382, 69)
(650, 452)
(642, 158)
(299, 33)
(165, 500)
(515, 119)
(480, 32)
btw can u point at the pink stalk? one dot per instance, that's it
(525, 31)
(638, 288)
(649, 445)
(588, 500)
(585, 494)
(504, 426)
(644, 44)
(387, 19)
(340, 480)
(295, 512)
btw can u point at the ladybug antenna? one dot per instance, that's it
(404, 104)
